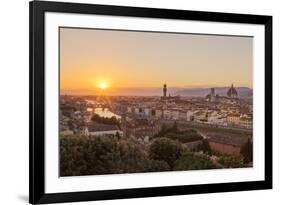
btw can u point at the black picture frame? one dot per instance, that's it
(37, 10)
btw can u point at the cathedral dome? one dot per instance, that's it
(232, 92)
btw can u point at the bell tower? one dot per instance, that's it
(165, 91)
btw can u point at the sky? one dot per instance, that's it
(124, 60)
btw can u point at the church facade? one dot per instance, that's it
(231, 95)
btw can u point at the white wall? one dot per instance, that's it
(14, 100)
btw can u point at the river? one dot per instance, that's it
(104, 112)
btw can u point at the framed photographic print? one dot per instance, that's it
(141, 102)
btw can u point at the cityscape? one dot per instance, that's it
(155, 127)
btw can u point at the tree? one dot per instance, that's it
(105, 120)
(165, 149)
(247, 151)
(205, 147)
(71, 157)
(175, 127)
(104, 155)
(157, 166)
(231, 161)
(118, 135)
(133, 158)
(183, 136)
(189, 161)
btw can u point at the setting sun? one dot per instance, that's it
(103, 86)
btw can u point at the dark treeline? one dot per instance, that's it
(104, 155)
(183, 136)
(81, 155)
(110, 155)
(109, 121)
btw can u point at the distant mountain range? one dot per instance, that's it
(188, 92)
(201, 92)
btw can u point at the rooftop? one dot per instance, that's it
(226, 139)
(98, 127)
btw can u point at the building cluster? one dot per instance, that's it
(213, 110)
(231, 96)
(141, 117)
(76, 118)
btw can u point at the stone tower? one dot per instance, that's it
(165, 91)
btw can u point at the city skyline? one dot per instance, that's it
(190, 92)
(115, 61)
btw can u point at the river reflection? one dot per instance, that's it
(104, 112)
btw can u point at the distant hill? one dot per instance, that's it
(189, 92)
(202, 92)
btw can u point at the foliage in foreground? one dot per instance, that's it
(104, 155)
(231, 161)
(190, 161)
(81, 155)
(183, 136)
(247, 151)
(165, 149)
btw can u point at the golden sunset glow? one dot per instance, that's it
(103, 85)
(123, 62)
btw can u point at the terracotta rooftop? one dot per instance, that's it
(226, 139)
(97, 127)
(233, 115)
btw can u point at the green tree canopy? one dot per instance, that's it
(231, 161)
(165, 149)
(158, 166)
(184, 136)
(205, 147)
(105, 120)
(190, 161)
(80, 155)
(247, 151)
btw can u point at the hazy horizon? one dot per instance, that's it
(148, 91)
(127, 60)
